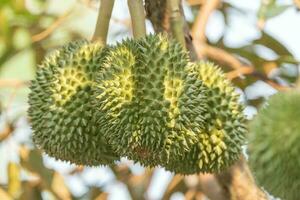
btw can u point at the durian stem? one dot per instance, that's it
(137, 14)
(100, 34)
(177, 21)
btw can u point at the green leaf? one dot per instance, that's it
(275, 10)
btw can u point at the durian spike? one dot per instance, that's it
(137, 14)
(100, 34)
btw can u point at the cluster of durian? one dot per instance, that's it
(274, 146)
(141, 99)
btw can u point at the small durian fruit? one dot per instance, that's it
(146, 101)
(60, 112)
(219, 143)
(274, 146)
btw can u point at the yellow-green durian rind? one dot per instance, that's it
(274, 145)
(62, 118)
(146, 101)
(219, 143)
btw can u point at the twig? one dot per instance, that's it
(239, 72)
(177, 21)
(196, 2)
(219, 55)
(44, 34)
(297, 3)
(222, 56)
(137, 14)
(6, 132)
(105, 11)
(174, 185)
(199, 27)
(13, 83)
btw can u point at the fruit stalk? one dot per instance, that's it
(177, 21)
(137, 14)
(103, 20)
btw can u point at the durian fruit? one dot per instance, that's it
(62, 118)
(219, 143)
(274, 146)
(146, 101)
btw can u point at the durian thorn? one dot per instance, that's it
(177, 21)
(100, 34)
(137, 14)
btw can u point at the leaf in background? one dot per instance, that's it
(14, 182)
(269, 9)
(269, 41)
(276, 10)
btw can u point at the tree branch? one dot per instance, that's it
(47, 32)
(199, 27)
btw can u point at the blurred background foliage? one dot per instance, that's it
(29, 29)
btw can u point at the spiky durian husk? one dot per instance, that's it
(147, 103)
(274, 146)
(219, 143)
(61, 115)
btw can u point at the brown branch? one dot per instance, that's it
(239, 183)
(175, 184)
(297, 3)
(199, 27)
(6, 132)
(239, 72)
(12, 83)
(196, 2)
(47, 32)
(239, 68)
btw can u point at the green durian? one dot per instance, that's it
(219, 143)
(62, 117)
(274, 146)
(147, 103)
